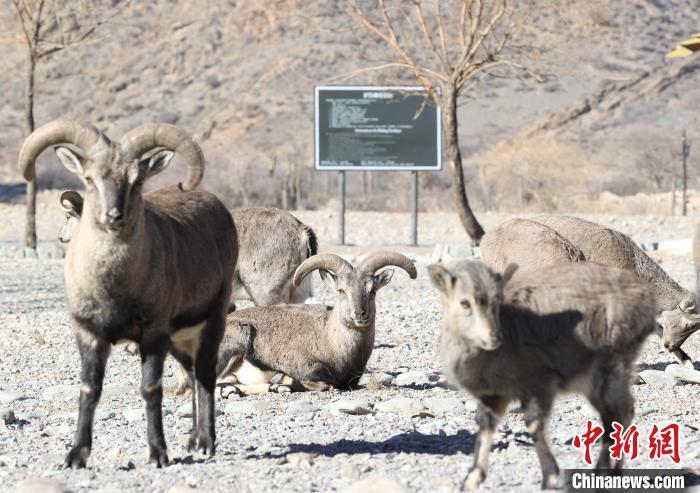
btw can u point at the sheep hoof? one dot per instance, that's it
(550, 482)
(77, 458)
(201, 442)
(312, 385)
(157, 456)
(474, 479)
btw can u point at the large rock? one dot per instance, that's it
(683, 373)
(658, 378)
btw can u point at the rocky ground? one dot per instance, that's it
(407, 427)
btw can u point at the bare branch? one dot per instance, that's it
(426, 35)
(441, 32)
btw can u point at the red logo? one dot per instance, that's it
(624, 443)
(665, 442)
(587, 439)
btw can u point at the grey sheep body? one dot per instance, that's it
(304, 342)
(528, 244)
(152, 268)
(678, 310)
(575, 327)
(316, 345)
(272, 244)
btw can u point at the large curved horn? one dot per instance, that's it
(82, 135)
(152, 135)
(377, 260)
(325, 261)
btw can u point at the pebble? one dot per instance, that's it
(30, 253)
(184, 411)
(470, 405)
(683, 373)
(132, 415)
(300, 459)
(67, 392)
(350, 406)
(40, 485)
(442, 405)
(415, 378)
(658, 378)
(375, 484)
(403, 405)
(302, 407)
(245, 407)
(349, 472)
(645, 411)
(6, 397)
(375, 380)
(7, 416)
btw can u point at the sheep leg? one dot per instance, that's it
(152, 359)
(488, 413)
(204, 434)
(614, 402)
(317, 378)
(93, 357)
(536, 418)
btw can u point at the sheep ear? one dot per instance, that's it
(508, 274)
(383, 278)
(70, 160)
(156, 162)
(328, 278)
(441, 278)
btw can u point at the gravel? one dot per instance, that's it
(420, 437)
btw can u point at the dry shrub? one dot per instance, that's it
(536, 174)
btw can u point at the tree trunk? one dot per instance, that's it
(454, 157)
(30, 223)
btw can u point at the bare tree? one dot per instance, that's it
(47, 27)
(447, 47)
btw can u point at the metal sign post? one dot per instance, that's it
(376, 128)
(341, 207)
(414, 208)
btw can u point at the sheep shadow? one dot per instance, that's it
(660, 366)
(412, 442)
